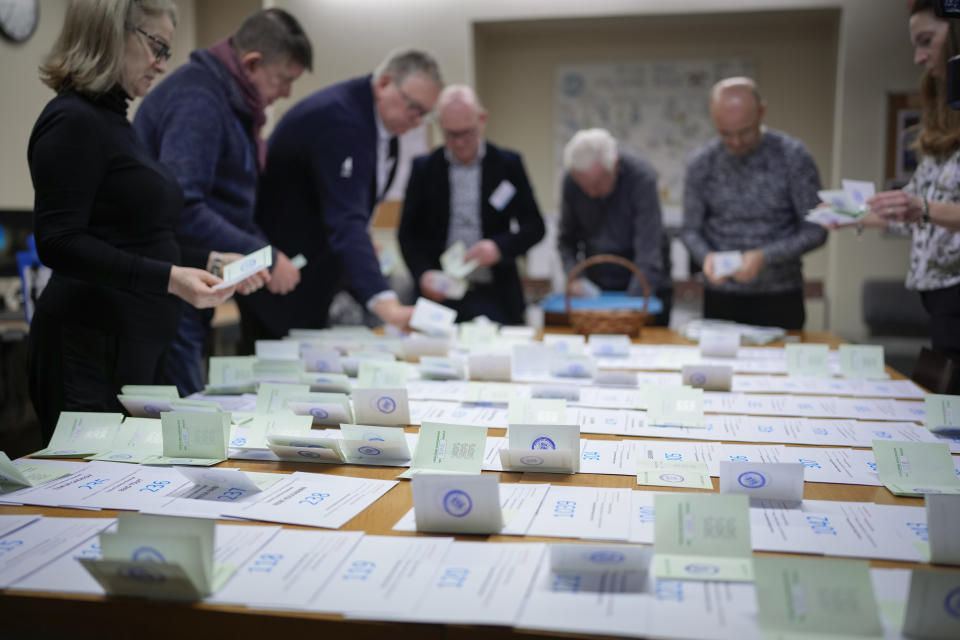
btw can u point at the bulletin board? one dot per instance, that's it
(657, 108)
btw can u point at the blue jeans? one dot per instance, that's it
(184, 359)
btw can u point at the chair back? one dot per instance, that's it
(933, 371)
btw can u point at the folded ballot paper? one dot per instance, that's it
(157, 557)
(193, 438)
(845, 205)
(544, 448)
(453, 261)
(27, 473)
(433, 319)
(456, 503)
(238, 271)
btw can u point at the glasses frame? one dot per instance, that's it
(412, 105)
(162, 52)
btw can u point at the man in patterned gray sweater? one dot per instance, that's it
(748, 190)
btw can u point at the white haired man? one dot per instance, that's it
(749, 190)
(610, 204)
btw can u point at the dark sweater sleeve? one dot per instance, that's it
(67, 164)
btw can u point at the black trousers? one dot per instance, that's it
(783, 310)
(943, 305)
(75, 368)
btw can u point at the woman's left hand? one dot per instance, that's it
(896, 206)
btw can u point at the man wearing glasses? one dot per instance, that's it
(330, 160)
(469, 191)
(204, 123)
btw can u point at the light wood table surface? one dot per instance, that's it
(51, 615)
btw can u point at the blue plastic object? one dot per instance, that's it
(607, 301)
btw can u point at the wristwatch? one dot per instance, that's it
(925, 215)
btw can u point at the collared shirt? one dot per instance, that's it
(384, 165)
(384, 161)
(465, 203)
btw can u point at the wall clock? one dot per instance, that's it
(18, 19)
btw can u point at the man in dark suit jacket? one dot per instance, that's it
(329, 161)
(469, 191)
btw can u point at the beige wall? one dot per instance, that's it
(350, 36)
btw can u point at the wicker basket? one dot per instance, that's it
(588, 321)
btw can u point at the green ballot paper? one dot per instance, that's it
(79, 434)
(382, 374)
(193, 438)
(664, 473)
(702, 536)
(862, 361)
(272, 396)
(915, 468)
(809, 360)
(26, 473)
(231, 374)
(674, 406)
(447, 448)
(815, 598)
(537, 411)
(137, 440)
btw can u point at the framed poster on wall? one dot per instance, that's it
(903, 119)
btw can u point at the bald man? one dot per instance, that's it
(470, 191)
(748, 191)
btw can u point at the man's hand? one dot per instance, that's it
(708, 270)
(427, 288)
(251, 284)
(392, 312)
(285, 276)
(485, 252)
(752, 264)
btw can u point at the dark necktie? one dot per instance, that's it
(392, 160)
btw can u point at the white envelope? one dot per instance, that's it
(719, 343)
(710, 377)
(726, 263)
(763, 480)
(489, 366)
(432, 318)
(381, 406)
(240, 270)
(588, 558)
(457, 503)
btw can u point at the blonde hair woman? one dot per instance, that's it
(104, 214)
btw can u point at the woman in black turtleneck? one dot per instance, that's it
(104, 216)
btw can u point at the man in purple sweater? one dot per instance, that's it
(204, 123)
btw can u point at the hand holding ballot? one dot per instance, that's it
(844, 206)
(238, 271)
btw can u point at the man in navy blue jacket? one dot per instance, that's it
(330, 159)
(204, 122)
(470, 191)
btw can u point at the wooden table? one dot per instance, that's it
(79, 616)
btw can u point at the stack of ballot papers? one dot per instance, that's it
(845, 205)
(452, 280)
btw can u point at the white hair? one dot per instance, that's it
(589, 146)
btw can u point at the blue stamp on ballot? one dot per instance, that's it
(386, 404)
(457, 503)
(370, 451)
(543, 443)
(751, 480)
